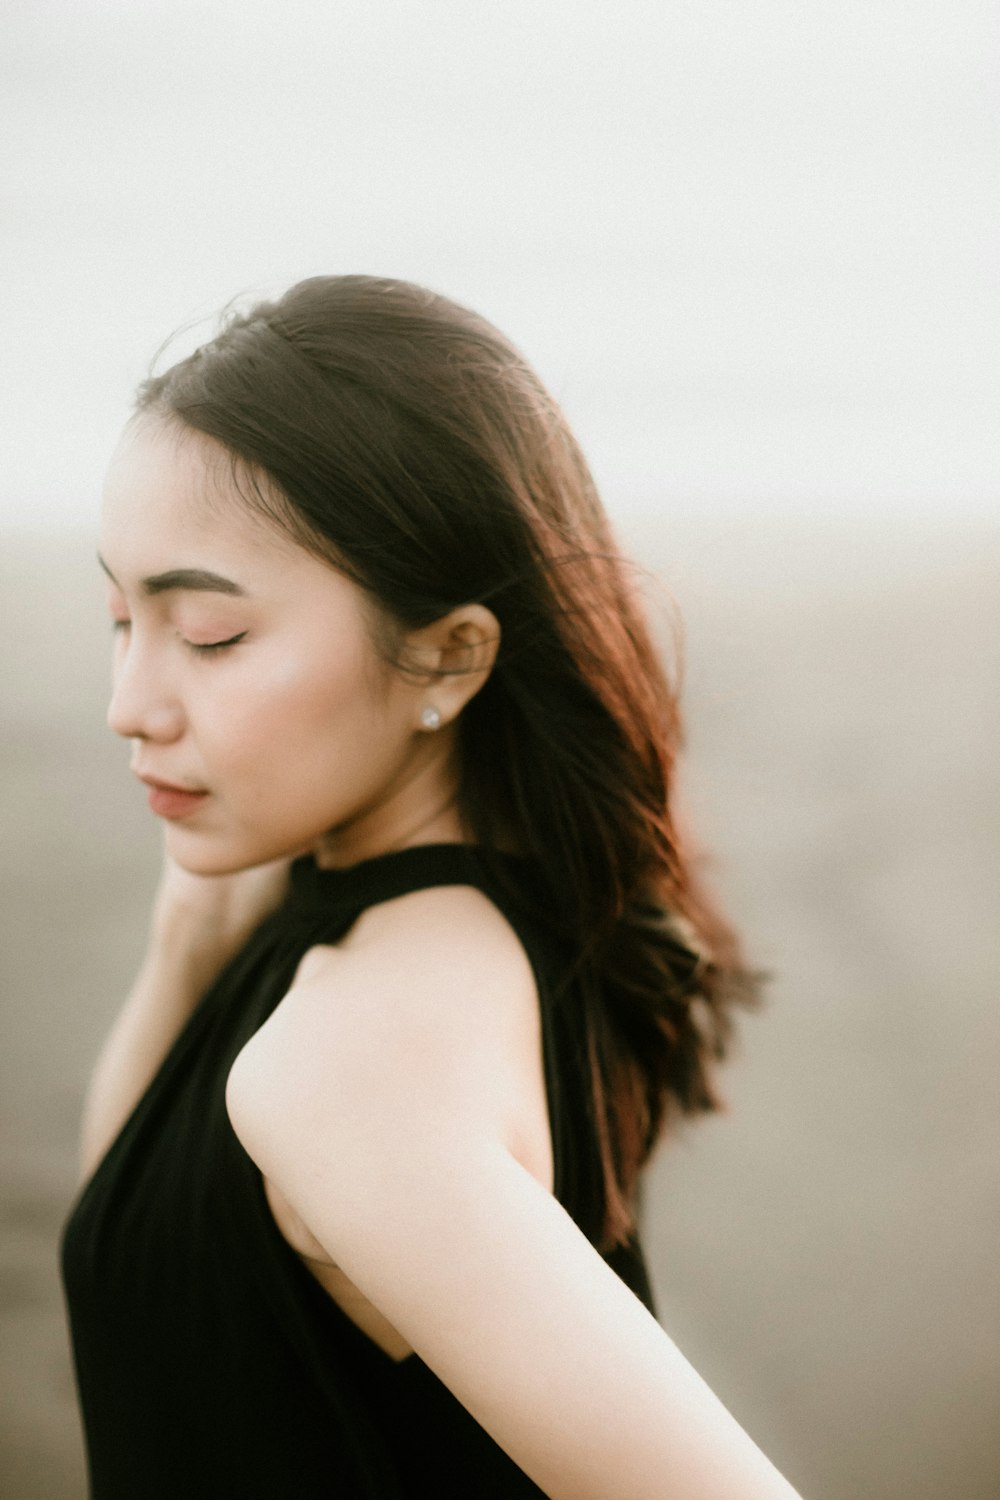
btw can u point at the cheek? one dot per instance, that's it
(286, 702)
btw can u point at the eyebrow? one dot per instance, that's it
(198, 580)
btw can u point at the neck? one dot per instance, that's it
(423, 809)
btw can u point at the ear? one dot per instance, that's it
(454, 656)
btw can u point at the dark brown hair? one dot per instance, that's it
(402, 437)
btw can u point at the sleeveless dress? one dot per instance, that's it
(209, 1361)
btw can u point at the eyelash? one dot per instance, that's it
(216, 645)
(207, 649)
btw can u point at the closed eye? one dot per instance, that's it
(210, 646)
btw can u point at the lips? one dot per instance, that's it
(169, 801)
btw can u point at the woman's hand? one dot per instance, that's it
(213, 915)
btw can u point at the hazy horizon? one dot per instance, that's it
(751, 249)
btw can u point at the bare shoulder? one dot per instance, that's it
(450, 928)
(425, 1016)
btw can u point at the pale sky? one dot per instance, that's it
(752, 247)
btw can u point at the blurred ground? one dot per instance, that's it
(825, 1252)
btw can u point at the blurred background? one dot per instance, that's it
(753, 250)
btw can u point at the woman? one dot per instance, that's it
(428, 970)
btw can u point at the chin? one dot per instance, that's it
(214, 854)
(208, 856)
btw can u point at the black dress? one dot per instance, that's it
(210, 1362)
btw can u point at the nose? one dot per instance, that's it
(142, 706)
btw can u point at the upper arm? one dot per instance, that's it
(427, 1012)
(375, 1099)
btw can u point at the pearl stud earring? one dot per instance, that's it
(430, 718)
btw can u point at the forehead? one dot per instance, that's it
(170, 494)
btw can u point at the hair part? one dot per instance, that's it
(402, 438)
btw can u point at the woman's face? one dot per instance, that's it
(245, 673)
